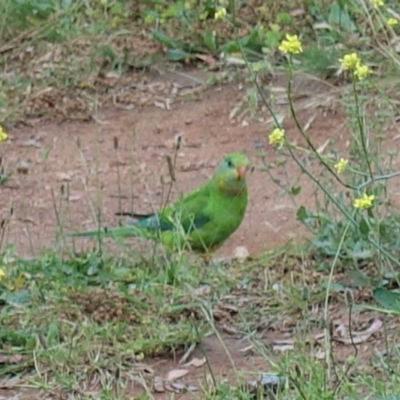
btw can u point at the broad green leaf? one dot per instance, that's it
(249, 42)
(359, 278)
(387, 299)
(339, 16)
(18, 298)
(167, 41)
(177, 55)
(272, 38)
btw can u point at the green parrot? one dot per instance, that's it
(201, 220)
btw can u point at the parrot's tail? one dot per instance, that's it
(123, 231)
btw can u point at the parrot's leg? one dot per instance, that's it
(207, 261)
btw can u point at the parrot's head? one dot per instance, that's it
(230, 175)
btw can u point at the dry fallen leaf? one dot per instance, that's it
(168, 386)
(178, 386)
(375, 326)
(196, 362)
(182, 387)
(282, 348)
(357, 336)
(158, 385)
(207, 58)
(64, 176)
(176, 374)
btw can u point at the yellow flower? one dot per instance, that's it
(3, 135)
(350, 61)
(277, 136)
(377, 3)
(341, 165)
(220, 13)
(291, 45)
(2, 274)
(364, 201)
(362, 71)
(392, 21)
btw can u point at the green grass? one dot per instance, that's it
(69, 318)
(68, 322)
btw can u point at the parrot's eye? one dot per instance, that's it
(230, 164)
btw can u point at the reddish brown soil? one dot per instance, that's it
(145, 136)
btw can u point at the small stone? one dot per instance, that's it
(22, 167)
(241, 254)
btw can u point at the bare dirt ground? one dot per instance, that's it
(51, 156)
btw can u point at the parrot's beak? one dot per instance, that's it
(241, 172)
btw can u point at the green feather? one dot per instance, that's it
(203, 219)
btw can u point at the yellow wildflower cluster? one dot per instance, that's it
(341, 165)
(352, 62)
(277, 136)
(364, 202)
(3, 135)
(290, 45)
(2, 274)
(220, 13)
(361, 72)
(380, 3)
